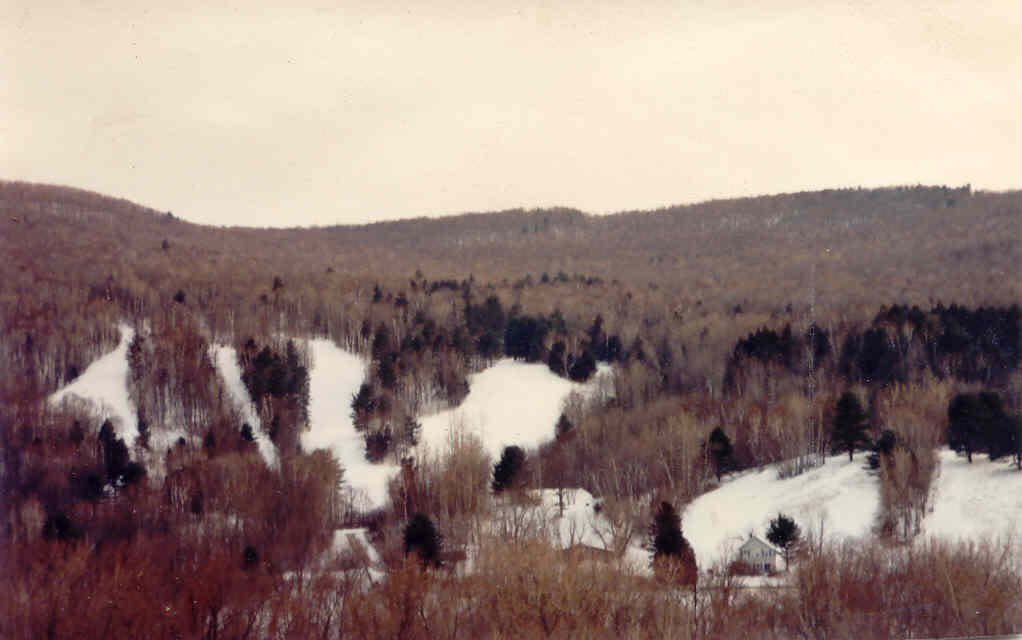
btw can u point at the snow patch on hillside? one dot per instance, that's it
(971, 502)
(842, 495)
(335, 377)
(105, 384)
(509, 403)
(226, 359)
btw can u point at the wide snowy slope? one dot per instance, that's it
(226, 359)
(841, 494)
(335, 377)
(982, 500)
(105, 384)
(509, 403)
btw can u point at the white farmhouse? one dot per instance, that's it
(760, 556)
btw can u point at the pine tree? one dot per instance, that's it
(382, 341)
(563, 428)
(363, 404)
(972, 418)
(507, 472)
(882, 448)
(247, 434)
(784, 534)
(598, 339)
(421, 537)
(249, 558)
(583, 367)
(850, 424)
(555, 361)
(721, 452)
(672, 555)
(665, 533)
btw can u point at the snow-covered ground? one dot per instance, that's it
(982, 500)
(841, 495)
(105, 384)
(509, 403)
(335, 377)
(580, 524)
(226, 359)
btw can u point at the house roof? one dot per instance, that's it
(753, 539)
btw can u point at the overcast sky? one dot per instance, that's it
(353, 112)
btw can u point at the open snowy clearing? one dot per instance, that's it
(971, 502)
(509, 403)
(841, 495)
(226, 359)
(335, 377)
(104, 383)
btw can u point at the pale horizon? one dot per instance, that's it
(355, 114)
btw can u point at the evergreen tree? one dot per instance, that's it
(882, 448)
(721, 452)
(665, 534)
(672, 555)
(614, 348)
(421, 537)
(524, 338)
(382, 341)
(60, 527)
(583, 367)
(507, 472)
(115, 457)
(247, 434)
(971, 419)
(377, 444)
(363, 404)
(143, 433)
(249, 558)
(563, 428)
(850, 424)
(209, 443)
(784, 534)
(387, 371)
(598, 339)
(1003, 438)
(556, 359)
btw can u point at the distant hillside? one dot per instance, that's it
(714, 271)
(875, 241)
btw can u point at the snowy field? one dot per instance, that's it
(335, 377)
(974, 501)
(510, 403)
(579, 524)
(226, 359)
(841, 495)
(105, 384)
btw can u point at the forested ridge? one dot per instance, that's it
(739, 333)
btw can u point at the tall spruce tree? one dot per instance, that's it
(421, 538)
(721, 452)
(507, 472)
(850, 425)
(672, 555)
(784, 534)
(971, 420)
